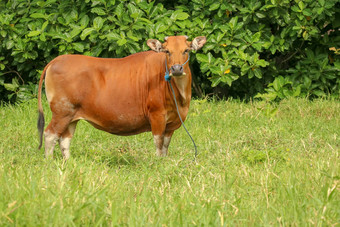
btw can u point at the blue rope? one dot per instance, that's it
(168, 79)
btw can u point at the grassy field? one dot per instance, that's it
(258, 164)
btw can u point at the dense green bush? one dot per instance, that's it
(278, 48)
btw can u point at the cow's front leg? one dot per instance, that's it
(166, 142)
(158, 129)
(159, 140)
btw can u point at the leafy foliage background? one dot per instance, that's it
(268, 49)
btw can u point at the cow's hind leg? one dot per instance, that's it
(50, 141)
(54, 131)
(65, 140)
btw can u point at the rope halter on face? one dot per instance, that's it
(169, 75)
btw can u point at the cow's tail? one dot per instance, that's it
(41, 118)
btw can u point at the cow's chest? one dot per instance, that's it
(172, 120)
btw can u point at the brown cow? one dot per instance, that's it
(123, 96)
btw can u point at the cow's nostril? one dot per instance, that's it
(177, 70)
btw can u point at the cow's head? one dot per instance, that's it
(177, 49)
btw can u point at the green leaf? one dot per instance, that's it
(202, 58)
(227, 79)
(131, 36)
(258, 73)
(318, 93)
(44, 25)
(210, 57)
(121, 42)
(3, 33)
(42, 37)
(119, 10)
(160, 28)
(9, 44)
(324, 63)
(266, 45)
(214, 6)
(179, 15)
(301, 5)
(113, 36)
(98, 10)
(250, 74)
(260, 15)
(262, 63)
(295, 9)
(215, 81)
(145, 20)
(134, 15)
(33, 33)
(270, 96)
(278, 83)
(98, 23)
(74, 15)
(320, 10)
(337, 65)
(244, 69)
(310, 54)
(307, 12)
(75, 32)
(305, 35)
(86, 32)
(78, 47)
(307, 81)
(297, 91)
(132, 49)
(11, 87)
(38, 15)
(233, 22)
(62, 48)
(84, 21)
(321, 2)
(256, 37)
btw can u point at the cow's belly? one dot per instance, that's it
(117, 117)
(120, 128)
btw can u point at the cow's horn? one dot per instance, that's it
(166, 38)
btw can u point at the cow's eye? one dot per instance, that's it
(167, 52)
(186, 51)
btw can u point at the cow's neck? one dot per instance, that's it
(183, 85)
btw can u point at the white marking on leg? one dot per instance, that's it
(64, 144)
(166, 143)
(50, 141)
(159, 144)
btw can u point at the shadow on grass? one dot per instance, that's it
(115, 158)
(111, 157)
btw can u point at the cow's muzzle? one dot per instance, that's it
(177, 70)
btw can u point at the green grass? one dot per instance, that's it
(258, 164)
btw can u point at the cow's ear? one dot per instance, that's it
(155, 45)
(198, 42)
